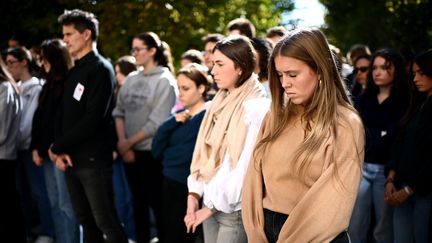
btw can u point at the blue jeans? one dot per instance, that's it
(65, 224)
(123, 198)
(371, 197)
(89, 183)
(224, 228)
(31, 187)
(411, 219)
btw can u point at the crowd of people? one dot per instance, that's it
(254, 139)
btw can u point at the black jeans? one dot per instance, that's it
(91, 192)
(273, 222)
(145, 181)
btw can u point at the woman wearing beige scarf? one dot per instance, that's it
(224, 144)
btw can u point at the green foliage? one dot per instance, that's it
(385, 23)
(181, 24)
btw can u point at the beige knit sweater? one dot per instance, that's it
(320, 207)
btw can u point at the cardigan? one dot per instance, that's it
(320, 206)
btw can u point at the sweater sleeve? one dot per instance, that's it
(162, 138)
(164, 101)
(252, 199)
(5, 112)
(420, 180)
(31, 104)
(325, 210)
(119, 110)
(36, 129)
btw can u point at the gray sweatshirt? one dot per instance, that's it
(30, 91)
(10, 111)
(144, 102)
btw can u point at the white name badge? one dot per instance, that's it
(79, 90)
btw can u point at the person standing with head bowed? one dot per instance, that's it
(143, 103)
(407, 186)
(225, 142)
(305, 171)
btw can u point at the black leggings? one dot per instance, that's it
(145, 181)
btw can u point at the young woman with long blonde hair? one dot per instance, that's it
(306, 167)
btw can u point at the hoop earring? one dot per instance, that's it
(320, 83)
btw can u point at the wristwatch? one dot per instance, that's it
(212, 208)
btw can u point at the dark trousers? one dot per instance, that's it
(10, 213)
(90, 188)
(145, 181)
(273, 222)
(174, 201)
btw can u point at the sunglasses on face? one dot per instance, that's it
(361, 70)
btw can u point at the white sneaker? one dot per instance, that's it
(154, 240)
(44, 239)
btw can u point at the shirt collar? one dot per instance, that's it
(86, 58)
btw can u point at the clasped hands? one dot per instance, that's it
(124, 147)
(195, 216)
(393, 196)
(61, 161)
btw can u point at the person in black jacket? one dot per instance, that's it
(56, 62)
(408, 186)
(82, 145)
(381, 107)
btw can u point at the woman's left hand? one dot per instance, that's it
(399, 197)
(201, 215)
(36, 158)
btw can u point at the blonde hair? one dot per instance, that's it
(320, 115)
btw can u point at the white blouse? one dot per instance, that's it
(223, 191)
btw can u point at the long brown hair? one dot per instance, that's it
(55, 52)
(320, 113)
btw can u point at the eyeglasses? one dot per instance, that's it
(360, 69)
(135, 50)
(11, 62)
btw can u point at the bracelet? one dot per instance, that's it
(195, 195)
(388, 180)
(407, 190)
